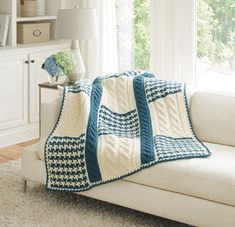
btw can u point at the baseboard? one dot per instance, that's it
(19, 135)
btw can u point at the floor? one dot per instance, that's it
(14, 152)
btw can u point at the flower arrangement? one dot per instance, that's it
(60, 64)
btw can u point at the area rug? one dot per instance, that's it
(41, 208)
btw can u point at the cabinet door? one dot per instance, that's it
(36, 76)
(13, 91)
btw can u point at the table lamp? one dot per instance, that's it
(77, 24)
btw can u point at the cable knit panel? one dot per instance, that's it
(167, 118)
(117, 156)
(76, 107)
(118, 94)
(167, 110)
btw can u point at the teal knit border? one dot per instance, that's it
(92, 133)
(190, 121)
(146, 132)
(57, 122)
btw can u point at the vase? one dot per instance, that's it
(57, 80)
(73, 78)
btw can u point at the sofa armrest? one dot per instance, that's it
(212, 115)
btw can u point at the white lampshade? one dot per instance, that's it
(76, 24)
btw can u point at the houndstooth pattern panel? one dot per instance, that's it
(121, 125)
(66, 163)
(167, 148)
(156, 89)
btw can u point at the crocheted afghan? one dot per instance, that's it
(117, 126)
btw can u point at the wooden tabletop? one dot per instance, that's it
(52, 86)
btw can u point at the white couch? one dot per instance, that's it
(198, 191)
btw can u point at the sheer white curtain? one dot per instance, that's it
(172, 42)
(100, 56)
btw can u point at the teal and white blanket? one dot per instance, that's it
(117, 126)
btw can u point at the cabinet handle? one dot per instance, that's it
(32, 61)
(26, 62)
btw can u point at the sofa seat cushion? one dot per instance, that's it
(212, 178)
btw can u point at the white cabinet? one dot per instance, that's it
(13, 91)
(36, 76)
(20, 74)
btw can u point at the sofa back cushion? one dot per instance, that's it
(213, 117)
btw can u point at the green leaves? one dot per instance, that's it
(216, 29)
(66, 60)
(141, 34)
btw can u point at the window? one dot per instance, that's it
(133, 34)
(215, 66)
(173, 42)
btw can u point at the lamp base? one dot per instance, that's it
(75, 77)
(78, 71)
